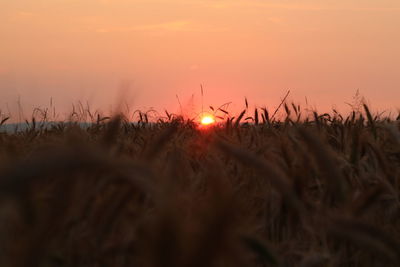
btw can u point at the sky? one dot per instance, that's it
(157, 53)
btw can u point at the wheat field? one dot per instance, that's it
(253, 190)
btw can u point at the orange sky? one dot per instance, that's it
(149, 51)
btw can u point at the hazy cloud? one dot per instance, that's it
(303, 5)
(173, 26)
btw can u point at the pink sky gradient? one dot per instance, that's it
(149, 51)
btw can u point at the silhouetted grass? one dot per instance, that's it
(253, 190)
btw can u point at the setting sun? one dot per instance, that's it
(207, 120)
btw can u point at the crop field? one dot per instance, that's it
(254, 189)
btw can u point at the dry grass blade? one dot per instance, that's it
(101, 119)
(256, 116)
(169, 116)
(370, 119)
(4, 120)
(239, 118)
(282, 102)
(266, 116)
(287, 110)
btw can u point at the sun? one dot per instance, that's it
(207, 120)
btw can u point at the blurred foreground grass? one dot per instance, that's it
(250, 191)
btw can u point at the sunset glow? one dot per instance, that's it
(207, 120)
(148, 51)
